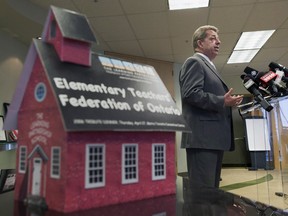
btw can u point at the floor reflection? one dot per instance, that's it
(196, 202)
(216, 202)
(161, 206)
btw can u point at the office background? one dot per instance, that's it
(145, 31)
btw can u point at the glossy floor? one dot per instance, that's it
(263, 192)
(259, 199)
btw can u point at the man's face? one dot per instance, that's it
(210, 45)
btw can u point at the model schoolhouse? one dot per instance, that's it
(90, 135)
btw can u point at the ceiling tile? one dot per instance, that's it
(99, 8)
(278, 39)
(228, 41)
(160, 46)
(283, 60)
(268, 55)
(113, 28)
(168, 58)
(101, 45)
(261, 18)
(67, 4)
(220, 60)
(216, 3)
(152, 25)
(132, 6)
(126, 47)
(233, 69)
(182, 45)
(285, 24)
(186, 21)
(229, 19)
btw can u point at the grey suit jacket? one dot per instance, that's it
(202, 92)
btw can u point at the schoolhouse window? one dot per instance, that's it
(55, 162)
(129, 163)
(22, 159)
(158, 161)
(95, 166)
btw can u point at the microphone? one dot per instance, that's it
(252, 87)
(254, 75)
(251, 71)
(267, 80)
(273, 66)
(281, 71)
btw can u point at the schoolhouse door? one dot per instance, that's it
(36, 176)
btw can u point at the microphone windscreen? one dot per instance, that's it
(249, 70)
(274, 65)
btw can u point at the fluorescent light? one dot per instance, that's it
(248, 46)
(242, 56)
(253, 40)
(186, 4)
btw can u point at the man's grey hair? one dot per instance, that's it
(200, 34)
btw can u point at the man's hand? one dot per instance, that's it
(232, 100)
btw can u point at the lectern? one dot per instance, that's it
(267, 141)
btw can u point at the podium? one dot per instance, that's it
(280, 133)
(267, 142)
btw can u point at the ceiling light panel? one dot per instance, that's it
(242, 56)
(186, 4)
(253, 40)
(249, 45)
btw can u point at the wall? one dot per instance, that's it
(180, 153)
(12, 56)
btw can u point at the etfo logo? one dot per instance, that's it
(40, 92)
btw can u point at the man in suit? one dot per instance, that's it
(206, 106)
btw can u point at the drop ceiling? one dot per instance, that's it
(148, 29)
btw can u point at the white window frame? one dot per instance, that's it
(102, 167)
(55, 164)
(22, 166)
(124, 166)
(160, 214)
(154, 163)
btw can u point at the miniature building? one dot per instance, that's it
(74, 38)
(93, 131)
